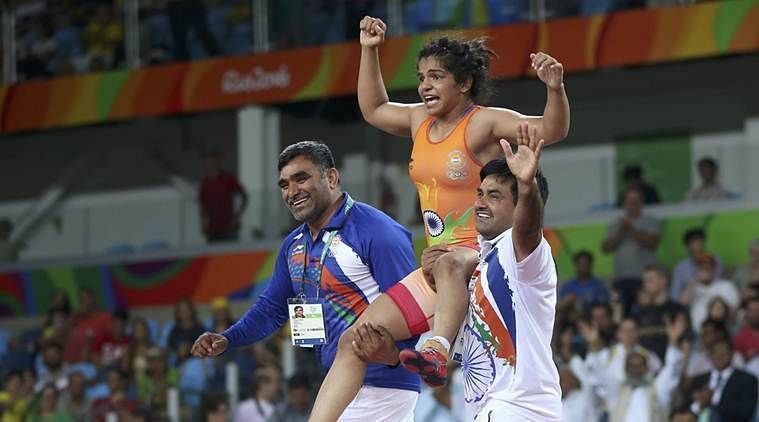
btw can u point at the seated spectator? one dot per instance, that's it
(117, 402)
(710, 332)
(153, 385)
(47, 407)
(654, 309)
(187, 327)
(749, 273)
(141, 341)
(725, 393)
(633, 238)
(55, 369)
(585, 287)
(8, 248)
(710, 188)
(695, 243)
(88, 327)
(612, 359)
(704, 287)
(215, 408)
(13, 401)
(221, 317)
(259, 407)
(632, 177)
(602, 319)
(73, 400)
(719, 310)
(747, 340)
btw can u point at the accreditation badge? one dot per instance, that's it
(307, 326)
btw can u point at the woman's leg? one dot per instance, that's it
(451, 272)
(346, 375)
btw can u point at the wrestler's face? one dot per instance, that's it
(494, 207)
(438, 89)
(305, 190)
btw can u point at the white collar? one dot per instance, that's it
(726, 373)
(487, 245)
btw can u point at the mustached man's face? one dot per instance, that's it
(494, 207)
(306, 192)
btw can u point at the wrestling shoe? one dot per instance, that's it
(429, 363)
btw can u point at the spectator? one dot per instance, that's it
(153, 385)
(221, 317)
(601, 318)
(89, 327)
(104, 38)
(632, 177)
(654, 309)
(115, 343)
(577, 401)
(48, 407)
(710, 332)
(704, 287)
(683, 415)
(13, 401)
(585, 287)
(711, 189)
(260, 406)
(728, 393)
(218, 190)
(8, 248)
(747, 339)
(719, 310)
(186, 325)
(139, 345)
(749, 273)
(633, 238)
(695, 243)
(300, 398)
(215, 408)
(185, 15)
(73, 400)
(638, 398)
(55, 370)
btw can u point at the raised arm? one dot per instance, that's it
(528, 213)
(553, 126)
(394, 118)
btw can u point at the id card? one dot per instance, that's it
(306, 322)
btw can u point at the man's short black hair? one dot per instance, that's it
(657, 268)
(583, 254)
(500, 169)
(692, 234)
(299, 380)
(317, 152)
(632, 172)
(709, 162)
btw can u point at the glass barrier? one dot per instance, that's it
(180, 30)
(61, 38)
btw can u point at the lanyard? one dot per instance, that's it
(320, 266)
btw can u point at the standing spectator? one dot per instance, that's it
(577, 401)
(695, 243)
(699, 360)
(104, 38)
(115, 343)
(221, 317)
(727, 393)
(654, 309)
(260, 406)
(586, 288)
(215, 408)
(704, 287)
(89, 327)
(632, 177)
(8, 248)
(73, 400)
(747, 339)
(634, 238)
(612, 359)
(711, 189)
(220, 217)
(300, 398)
(749, 273)
(187, 14)
(139, 345)
(116, 401)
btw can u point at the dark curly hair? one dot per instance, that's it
(465, 59)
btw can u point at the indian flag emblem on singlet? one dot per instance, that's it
(456, 164)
